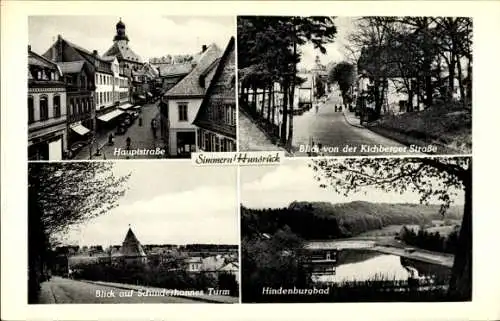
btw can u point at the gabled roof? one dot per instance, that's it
(190, 85)
(71, 67)
(35, 59)
(170, 70)
(222, 88)
(131, 246)
(122, 50)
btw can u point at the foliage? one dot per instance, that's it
(343, 74)
(268, 52)
(270, 262)
(431, 241)
(61, 195)
(322, 220)
(319, 89)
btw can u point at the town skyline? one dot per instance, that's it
(147, 40)
(159, 206)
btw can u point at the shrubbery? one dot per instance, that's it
(155, 276)
(429, 240)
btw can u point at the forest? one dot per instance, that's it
(323, 220)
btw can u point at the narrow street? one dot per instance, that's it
(61, 290)
(330, 129)
(140, 136)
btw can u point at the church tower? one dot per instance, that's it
(131, 249)
(120, 32)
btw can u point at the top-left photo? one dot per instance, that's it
(106, 87)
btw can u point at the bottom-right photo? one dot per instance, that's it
(357, 230)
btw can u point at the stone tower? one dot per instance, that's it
(120, 32)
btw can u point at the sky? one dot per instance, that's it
(168, 203)
(152, 36)
(278, 186)
(335, 51)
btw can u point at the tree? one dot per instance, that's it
(61, 195)
(439, 178)
(343, 74)
(319, 87)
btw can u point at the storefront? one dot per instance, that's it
(47, 147)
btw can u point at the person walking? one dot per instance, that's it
(128, 141)
(153, 127)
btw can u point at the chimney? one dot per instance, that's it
(29, 47)
(203, 48)
(94, 52)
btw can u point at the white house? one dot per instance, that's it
(183, 101)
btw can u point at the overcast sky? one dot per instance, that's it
(278, 186)
(335, 51)
(169, 202)
(150, 36)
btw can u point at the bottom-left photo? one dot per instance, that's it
(132, 232)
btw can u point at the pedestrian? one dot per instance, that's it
(110, 139)
(129, 141)
(140, 121)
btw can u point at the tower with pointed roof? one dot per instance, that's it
(131, 250)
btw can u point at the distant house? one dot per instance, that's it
(216, 118)
(181, 104)
(171, 74)
(193, 264)
(47, 127)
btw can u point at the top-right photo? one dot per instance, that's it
(344, 86)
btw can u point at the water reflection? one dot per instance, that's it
(364, 265)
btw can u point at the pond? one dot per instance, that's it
(369, 265)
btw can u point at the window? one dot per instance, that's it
(101, 98)
(31, 110)
(217, 144)
(44, 108)
(57, 106)
(183, 111)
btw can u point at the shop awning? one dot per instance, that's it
(125, 106)
(150, 94)
(80, 129)
(107, 117)
(138, 107)
(141, 97)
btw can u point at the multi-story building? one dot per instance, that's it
(46, 109)
(79, 67)
(216, 118)
(181, 103)
(79, 79)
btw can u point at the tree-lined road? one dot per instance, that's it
(330, 129)
(61, 290)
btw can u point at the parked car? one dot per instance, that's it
(134, 115)
(122, 129)
(75, 148)
(127, 122)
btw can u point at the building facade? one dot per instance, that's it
(180, 105)
(216, 118)
(47, 131)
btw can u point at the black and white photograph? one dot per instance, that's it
(109, 87)
(357, 230)
(132, 232)
(327, 86)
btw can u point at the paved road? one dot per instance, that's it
(61, 290)
(330, 129)
(141, 138)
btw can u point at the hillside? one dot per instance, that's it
(317, 220)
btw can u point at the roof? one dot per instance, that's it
(35, 59)
(175, 69)
(131, 246)
(122, 50)
(71, 67)
(190, 85)
(220, 91)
